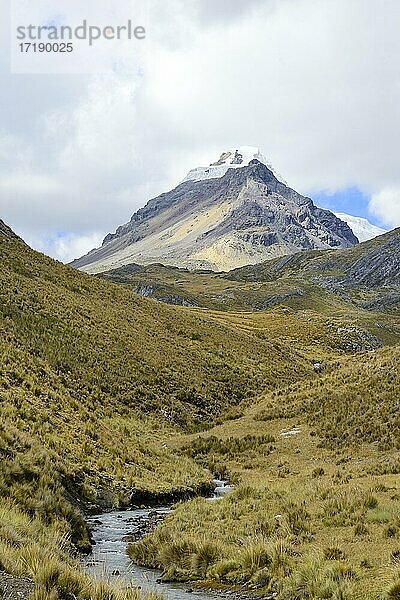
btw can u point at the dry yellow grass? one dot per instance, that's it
(328, 496)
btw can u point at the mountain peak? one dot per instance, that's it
(231, 158)
(232, 213)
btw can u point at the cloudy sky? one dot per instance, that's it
(314, 83)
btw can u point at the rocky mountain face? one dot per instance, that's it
(367, 275)
(373, 263)
(246, 216)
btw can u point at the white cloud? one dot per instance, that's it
(315, 84)
(386, 206)
(64, 247)
(33, 184)
(71, 246)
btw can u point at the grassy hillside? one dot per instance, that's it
(101, 341)
(316, 323)
(93, 382)
(315, 512)
(103, 394)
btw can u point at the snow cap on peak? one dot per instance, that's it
(361, 227)
(240, 156)
(232, 158)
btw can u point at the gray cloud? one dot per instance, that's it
(315, 84)
(212, 13)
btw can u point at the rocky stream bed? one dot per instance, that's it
(113, 531)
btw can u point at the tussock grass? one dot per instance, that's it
(317, 515)
(45, 554)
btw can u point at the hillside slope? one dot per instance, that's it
(128, 347)
(5, 230)
(79, 351)
(366, 276)
(314, 512)
(93, 381)
(97, 383)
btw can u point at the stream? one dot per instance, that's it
(112, 532)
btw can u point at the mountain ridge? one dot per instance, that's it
(367, 275)
(6, 231)
(359, 263)
(244, 217)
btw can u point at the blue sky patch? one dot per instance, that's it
(349, 200)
